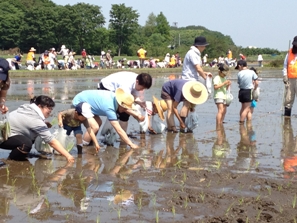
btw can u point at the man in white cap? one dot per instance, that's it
(109, 104)
(71, 120)
(31, 57)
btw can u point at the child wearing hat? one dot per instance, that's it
(220, 85)
(71, 120)
(176, 91)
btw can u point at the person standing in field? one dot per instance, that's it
(5, 84)
(108, 60)
(290, 77)
(220, 85)
(141, 53)
(31, 57)
(84, 55)
(260, 60)
(247, 81)
(229, 55)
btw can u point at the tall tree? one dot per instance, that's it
(150, 25)
(11, 21)
(163, 26)
(123, 23)
(86, 19)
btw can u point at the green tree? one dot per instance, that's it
(150, 25)
(162, 26)
(86, 19)
(123, 23)
(11, 22)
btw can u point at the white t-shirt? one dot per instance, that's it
(192, 58)
(123, 79)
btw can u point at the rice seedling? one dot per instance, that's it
(294, 201)
(186, 202)
(258, 215)
(279, 187)
(184, 177)
(229, 208)
(208, 185)
(157, 216)
(281, 209)
(119, 212)
(98, 219)
(173, 210)
(202, 196)
(269, 190)
(258, 197)
(154, 199)
(178, 164)
(139, 203)
(241, 201)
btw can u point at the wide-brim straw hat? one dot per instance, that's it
(161, 106)
(195, 92)
(124, 99)
(32, 49)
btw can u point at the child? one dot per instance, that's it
(254, 102)
(71, 119)
(220, 84)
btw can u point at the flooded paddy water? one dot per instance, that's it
(241, 173)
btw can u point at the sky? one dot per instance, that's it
(258, 23)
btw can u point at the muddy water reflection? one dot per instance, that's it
(102, 185)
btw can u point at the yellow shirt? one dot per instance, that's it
(30, 56)
(141, 53)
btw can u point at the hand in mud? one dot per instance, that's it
(49, 125)
(97, 147)
(70, 159)
(152, 131)
(134, 146)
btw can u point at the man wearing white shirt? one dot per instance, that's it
(130, 82)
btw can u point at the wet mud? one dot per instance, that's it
(238, 173)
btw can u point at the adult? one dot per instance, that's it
(229, 54)
(45, 60)
(108, 59)
(102, 59)
(176, 91)
(247, 82)
(131, 83)
(167, 59)
(242, 57)
(28, 122)
(31, 57)
(260, 60)
(290, 77)
(84, 55)
(18, 59)
(192, 66)
(109, 104)
(204, 59)
(64, 52)
(53, 58)
(4, 84)
(141, 53)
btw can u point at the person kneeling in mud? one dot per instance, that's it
(26, 123)
(71, 120)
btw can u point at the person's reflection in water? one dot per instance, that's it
(190, 153)
(221, 147)
(170, 157)
(289, 149)
(75, 185)
(23, 189)
(246, 148)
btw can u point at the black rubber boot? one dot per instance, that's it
(287, 112)
(17, 155)
(79, 149)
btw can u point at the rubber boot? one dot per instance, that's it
(17, 155)
(287, 112)
(79, 149)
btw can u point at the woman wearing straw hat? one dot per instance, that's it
(31, 57)
(109, 104)
(175, 91)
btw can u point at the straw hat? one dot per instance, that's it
(161, 107)
(195, 92)
(32, 49)
(124, 99)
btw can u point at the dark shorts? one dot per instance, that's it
(165, 95)
(76, 130)
(245, 95)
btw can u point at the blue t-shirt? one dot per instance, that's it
(246, 78)
(103, 103)
(174, 89)
(18, 58)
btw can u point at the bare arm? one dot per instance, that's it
(217, 86)
(175, 111)
(59, 148)
(94, 139)
(201, 72)
(123, 135)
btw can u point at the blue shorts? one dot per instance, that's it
(76, 130)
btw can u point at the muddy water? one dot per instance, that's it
(90, 190)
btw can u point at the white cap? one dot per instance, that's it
(84, 109)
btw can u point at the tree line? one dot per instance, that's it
(43, 24)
